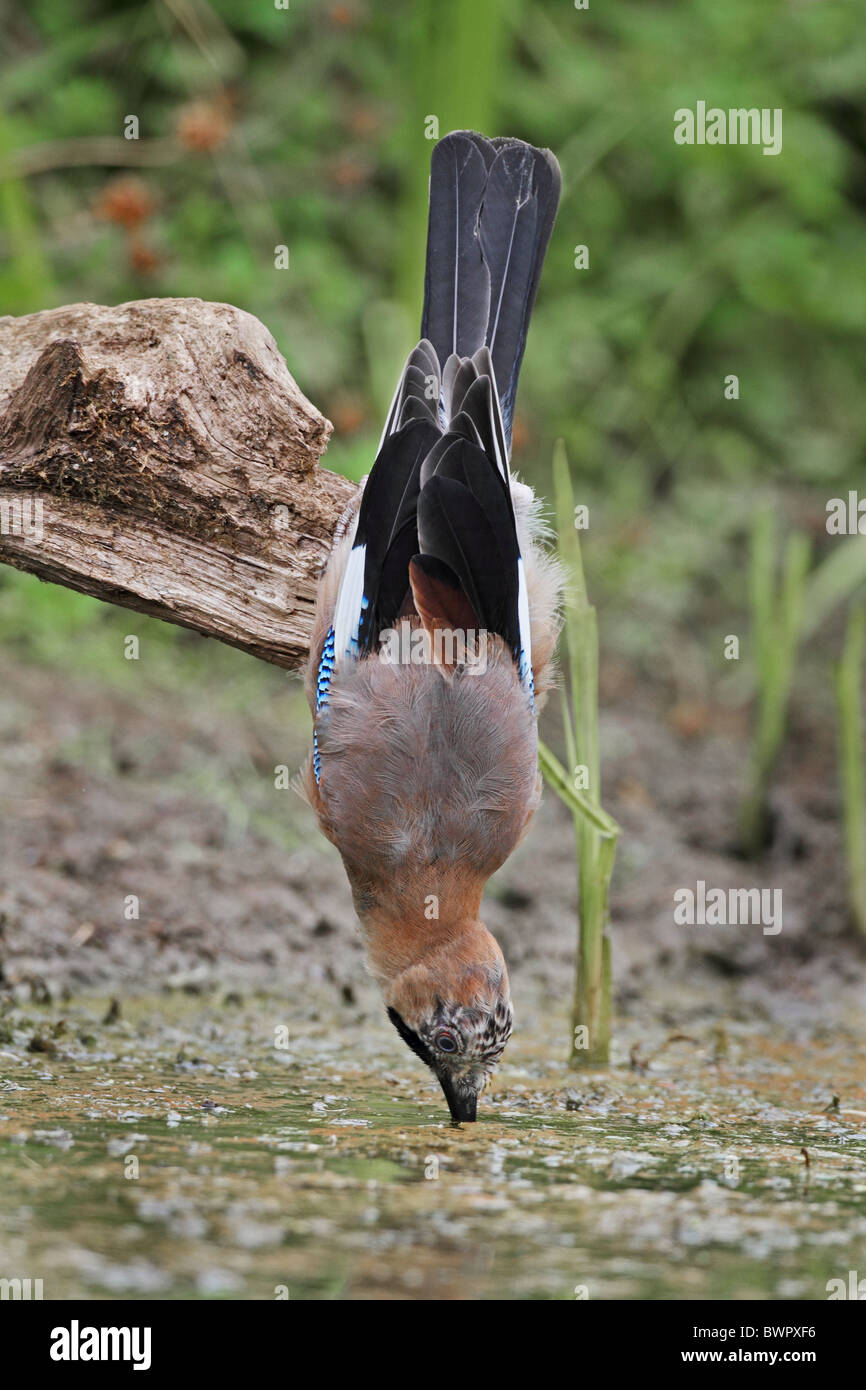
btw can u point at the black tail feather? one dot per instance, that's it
(520, 203)
(457, 284)
(492, 208)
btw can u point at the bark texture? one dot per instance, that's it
(160, 456)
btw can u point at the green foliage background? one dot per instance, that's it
(704, 261)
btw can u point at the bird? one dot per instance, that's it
(436, 621)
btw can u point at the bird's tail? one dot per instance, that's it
(436, 527)
(492, 208)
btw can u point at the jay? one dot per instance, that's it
(436, 620)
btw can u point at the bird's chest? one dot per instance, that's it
(418, 768)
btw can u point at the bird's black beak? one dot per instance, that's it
(462, 1099)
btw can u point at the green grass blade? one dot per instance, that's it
(849, 685)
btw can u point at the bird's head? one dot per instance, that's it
(453, 1008)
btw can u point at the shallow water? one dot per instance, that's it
(178, 1153)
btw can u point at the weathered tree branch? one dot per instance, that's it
(159, 455)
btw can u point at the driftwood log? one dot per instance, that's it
(158, 455)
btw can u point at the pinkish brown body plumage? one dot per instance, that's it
(424, 769)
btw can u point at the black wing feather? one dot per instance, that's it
(475, 538)
(387, 525)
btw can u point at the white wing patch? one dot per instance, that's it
(525, 633)
(350, 605)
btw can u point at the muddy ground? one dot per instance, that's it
(168, 794)
(206, 1101)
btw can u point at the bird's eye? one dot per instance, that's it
(446, 1042)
